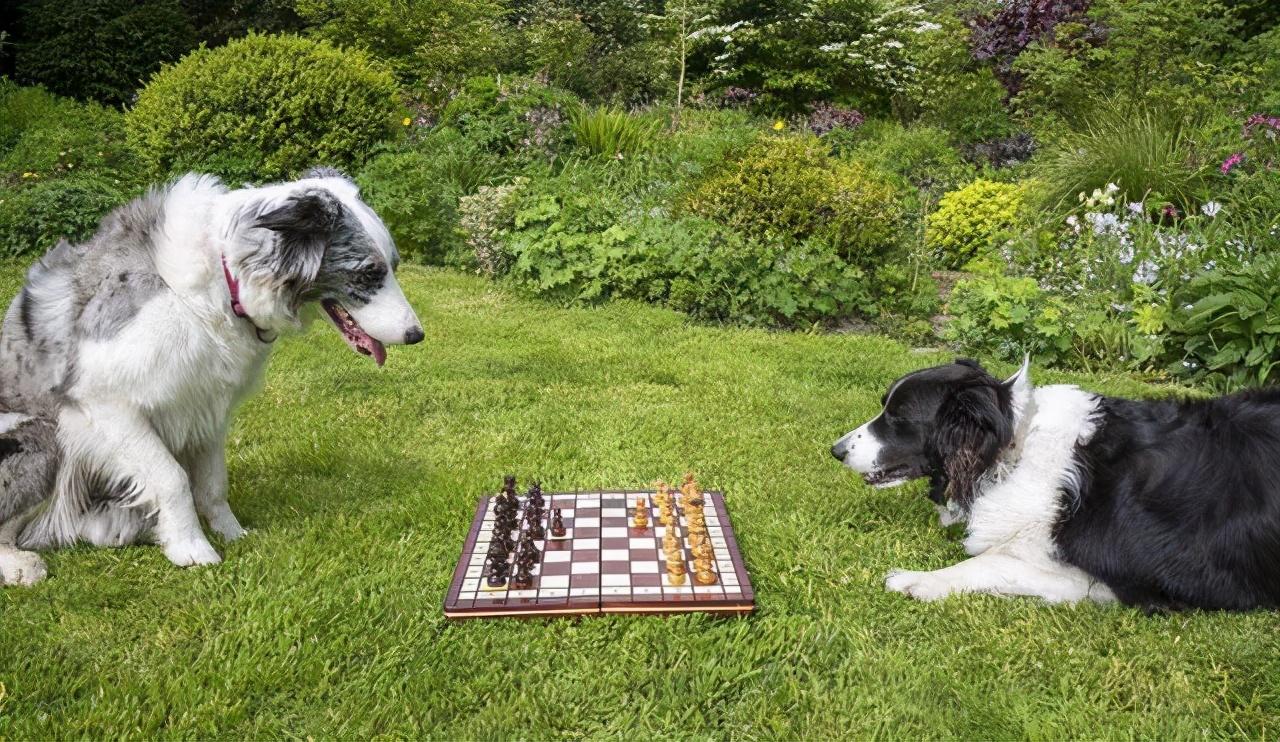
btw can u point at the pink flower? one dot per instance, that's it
(1232, 161)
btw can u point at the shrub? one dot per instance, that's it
(789, 189)
(1008, 317)
(1226, 325)
(975, 219)
(416, 193)
(263, 107)
(34, 217)
(920, 154)
(824, 118)
(609, 132)
(518, 115)
(44, 136)
(1150, 155)
(99, 49)
(950, 89)
(486, 218)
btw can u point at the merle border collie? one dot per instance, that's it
(122, 359)
(1068, 495)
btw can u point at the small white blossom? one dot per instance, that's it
(1146, 273)
(1211, 208)
(1136, 207)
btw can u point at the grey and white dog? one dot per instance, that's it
(122, 359)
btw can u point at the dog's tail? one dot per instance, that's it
(28, 465)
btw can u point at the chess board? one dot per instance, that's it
(603, 564)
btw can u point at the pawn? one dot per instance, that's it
(703, 550)
(676, 571)
(536, 531)
(642, 514)
(557, 524)
(523, 580)
(704, 577)
(496, 579)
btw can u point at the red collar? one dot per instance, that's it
(233, 287)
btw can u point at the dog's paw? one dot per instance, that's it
(191, 553)
(22, 568)
(924, 586)
(228, 528)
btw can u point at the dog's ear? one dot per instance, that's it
(972, 427)
(303, 225)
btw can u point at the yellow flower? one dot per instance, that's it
(407, 121)
(27, 174)
(778, 125)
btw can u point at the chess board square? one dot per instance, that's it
(551, 581)
(648, 566)
(615, 511)
(557, 568)
(585, 532)
(643, 555)
(616, 591)
(585, 512)
(584, 581)
(585, 568)
(586, 555)
(615, 580)
(613, 522)
(614, 532)
(556, 556)
(646, 580)
(613, 501)
(586, 522)
(471, 585)
(585, 544)
(583, 591)
(615, 542)
(621, 566)
(611, 555)
(646, 590)
(640, 542)
(565, 544)
(518, 594)
(475, 571)
(647, 532)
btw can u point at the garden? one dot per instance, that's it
(648, 237)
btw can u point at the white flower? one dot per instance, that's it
(1112, 188)
(1136, 207)
(1146, 273)
(1211, 208)
(1126, 254)
(928, 26)
(893, 44)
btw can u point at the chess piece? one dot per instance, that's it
(557, 524)
(663, 495)
(704, 577)
(535, 496)
(675, 571)
(641, 519)
(528, 550)
(536, 531)
(701, 564)
(696, 538)
(522, 580)
(669, 540)
(695, 504)
(703, 550)
(509, 484)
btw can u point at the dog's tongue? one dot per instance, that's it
(366, 345)
(359, 340)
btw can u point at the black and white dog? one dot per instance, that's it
(1069, 495)
(122, 358)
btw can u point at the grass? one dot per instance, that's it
(359, 486)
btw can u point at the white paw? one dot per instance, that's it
(191, 553)
(22, 568)
(919, 585)
(228, 528)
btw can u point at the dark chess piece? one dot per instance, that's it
(502, 535)
(528, 550)
(523, 580)
(557, 524)
(509, 484)
(498, 571)
(535, 495)
(499, 548)
(536, 531)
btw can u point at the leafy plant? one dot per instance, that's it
(43, 136)
(230, 110)
(610, 132)
(1008, 317)
(512, 116)
(34, 217)
(975, 219)
(1227, 325)
(920, 154)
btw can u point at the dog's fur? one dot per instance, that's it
(1069, 495)
(122, 358)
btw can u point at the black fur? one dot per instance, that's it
(1179, 503)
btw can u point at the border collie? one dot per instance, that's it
(122, 358)
(1069, 495)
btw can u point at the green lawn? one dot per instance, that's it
(359, 485)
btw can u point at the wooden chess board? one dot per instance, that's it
(604, 564)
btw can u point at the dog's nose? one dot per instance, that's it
(839, 451)
(414, 336)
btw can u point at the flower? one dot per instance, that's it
(1231, 162)
(1146, 273)
(779, 125)
(1137, 207)
(407, 121)
(1211, 208)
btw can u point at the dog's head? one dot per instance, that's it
(314, 241)
(948, 423)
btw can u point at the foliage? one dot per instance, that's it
(35, 216)
(99, 49)
(973, 220)
(1226, 325)
(416, 192)
(920, 154)
(1002, 35)
(512, 116)
(610, 132)
(485, 218)
(432, 45)
(226, 110)
(824, 118)
(1008, 317)
(43, 136)
(1151, 155)
(787, 188)
(950, 89)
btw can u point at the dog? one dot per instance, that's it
(1068, 495)
(123, 358)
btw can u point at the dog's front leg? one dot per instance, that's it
(120, 445)
(1001, 574)
(207, 466)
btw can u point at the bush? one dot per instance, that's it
(1151, 155)
(416, 193)
(1226, 326)
(920, 154)
(950, 89)
(519, 116)
(486, 218)
(43, 136)
(609, 132)
(99, 49)
(789, 189)
(34, 217)
(262, 108)
(973, 220)
(1007, 317)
